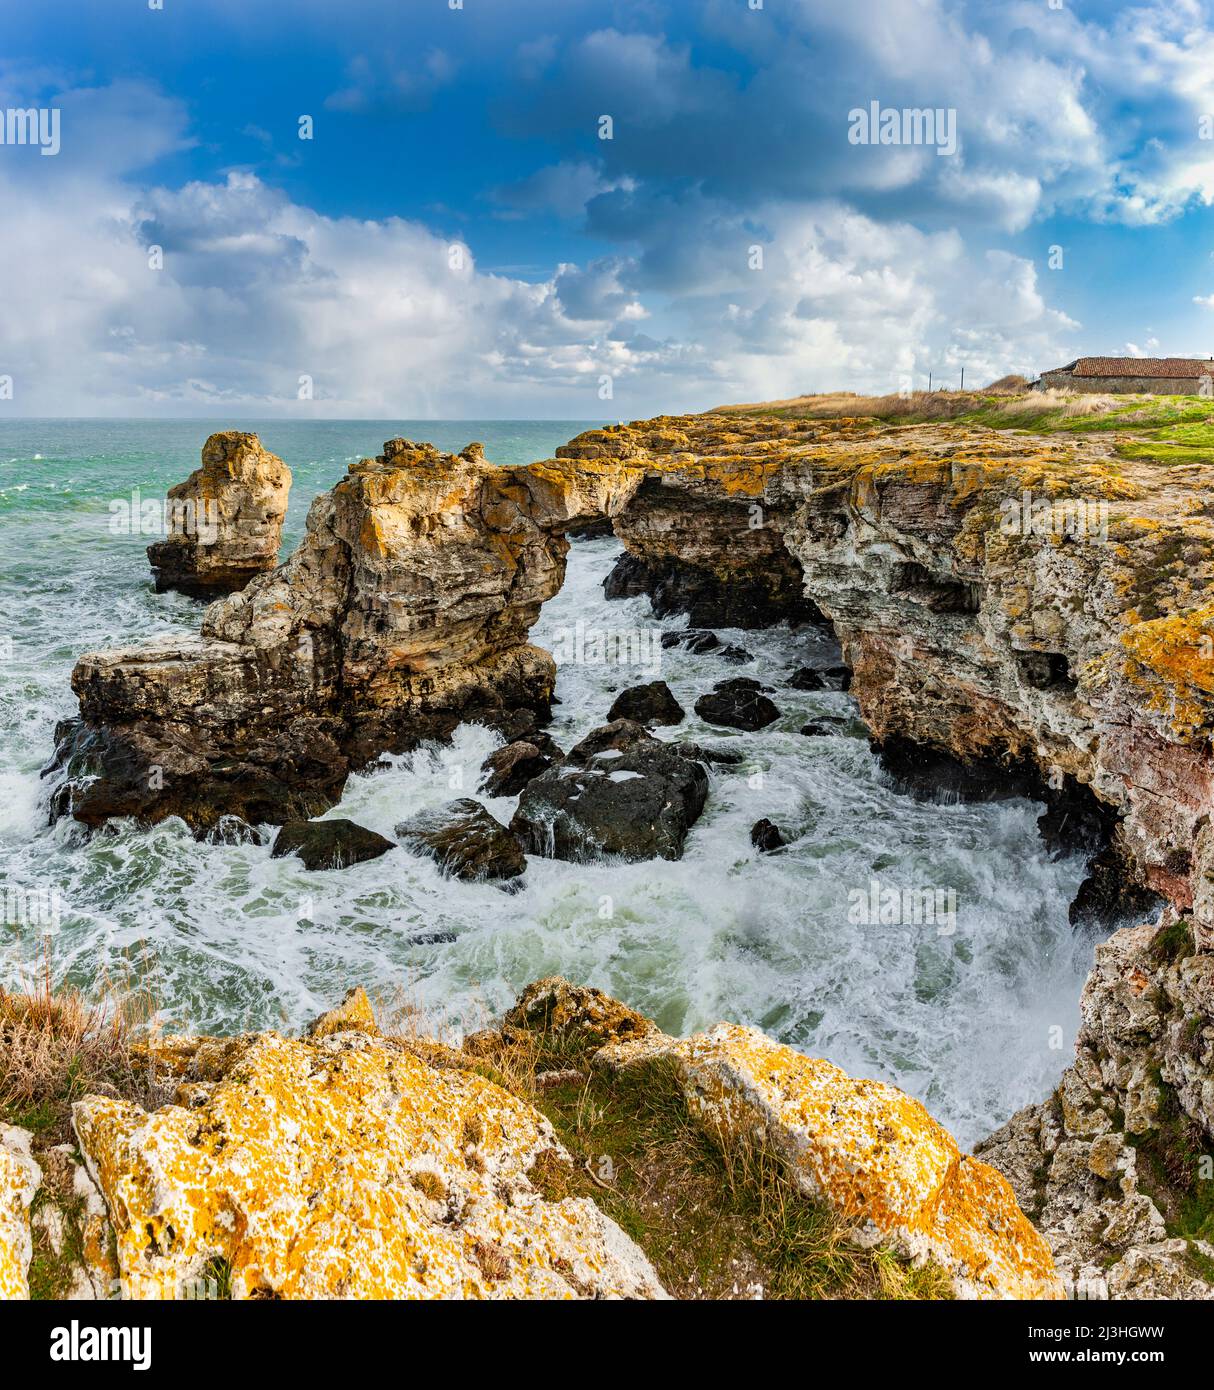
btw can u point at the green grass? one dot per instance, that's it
(1166, 429)
(1170, 1170)
(714, 1225)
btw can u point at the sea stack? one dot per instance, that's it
(225, 520)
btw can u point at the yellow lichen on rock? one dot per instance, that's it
(874, 1155)
(20, 1178)
(353, 1013)
(344, 1166)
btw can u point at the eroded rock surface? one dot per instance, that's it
(344, 1166)
(888, 1172)
(1114, 1167)
(225, 520)
(20, 1177)
(871, 1153)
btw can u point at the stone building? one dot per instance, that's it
(1157, 376)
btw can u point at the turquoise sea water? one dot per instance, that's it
(225, 938)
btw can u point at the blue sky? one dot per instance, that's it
(584, 261)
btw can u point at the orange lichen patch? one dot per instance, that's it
(354, 1012)
(870, 1152)
(1172, 660)
(578, 1013)
(296, 1166)
(20, 1177)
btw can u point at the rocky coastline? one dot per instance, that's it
(1016, 614)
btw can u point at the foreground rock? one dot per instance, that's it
(652, 704)
(619, 792)
(344, 1166)
(329, 844)
(466, 840)
(737, 704)
(887, 1171)
(20, 1177)
(349, 1164)
(1112, 1167)
(225, 520)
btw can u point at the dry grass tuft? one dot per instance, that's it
(1010, 385)
(56, 1047)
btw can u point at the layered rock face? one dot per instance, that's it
(225, 520)
(1114, 1167)
(703, 534)
(404, 611)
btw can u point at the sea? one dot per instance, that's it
(971, 1007)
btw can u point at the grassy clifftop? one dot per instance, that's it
(1166, 429)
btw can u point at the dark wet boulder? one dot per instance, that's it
(692, 639)
(648, 704)
(765, 835)
(1109, 897)
(737, 704)
(508, 769)
(466, 840)
(821, 678)
(723, 756)
(522, 725)
(739, 656)
(619, 792)
(823, 727)
(329, 844)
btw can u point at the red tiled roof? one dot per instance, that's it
(1188, 368)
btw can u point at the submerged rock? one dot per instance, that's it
(225, 519)
(737, 704)
(619, 792)
(466, 840)
(650, 704)
(766, 836)
(345, 1166)
(329, 844)
(692, 639)
(821, 678)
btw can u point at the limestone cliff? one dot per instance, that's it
(1035, 604)
(225, 520)
(1114, 1167)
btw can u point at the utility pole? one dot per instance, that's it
(963, 378)
(929, 383)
